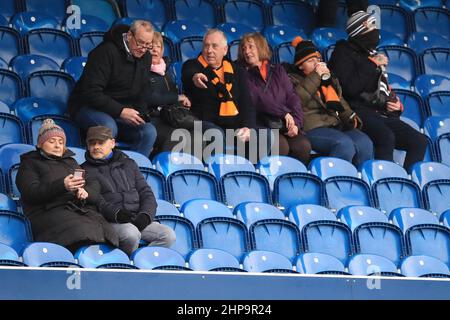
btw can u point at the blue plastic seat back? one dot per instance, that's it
(295, 14)
(433, 20)
(435, 126)
(9, 7)
(398, 82)
(325, 37)
(238, 187)
(54, 44)
(266, 261)
(149, 258)
(10, 43)
(437, 196)
(250, 13)
(4, 108)
(393, 193)
(74, 66)
(169, 49)
(251, 212)
(201, 11)
(272, 167)
(436, 62)
(212, 259)
(421, 41)
(8, 256)
(10, 87)
(88, 23)
(88, 41)
(276, 35)
(166, 208)
(414, 107)
(103, 9)
(24, 65)
(3, 64)
(426, 84)
(157, 182)
(233, 50)
(170, 162)
(373, 233)
(424, 172)
(186, 240)
(443, 148)
(71, 130)
(101, 256)
(406, 218)
(179, 29)
(234, 31)
(413, 5)
(55, 9)
(345, 191)
(445, 218)
(389, 39)
(6, 203)
(200, 209)
(298, 188)
(10, 155)
(151, 10)
(395, 20)
(141, 160)
(304, 214)
(424, 266)
(319, 263)
(174, 70)
(438, 103)
(364, 264)
(327, 53)
(192, 184)
(327, 167)
(15, 230)
(221, 164)
(27, 21)
(11, 129)
(79, 154)
(190, 48)
(28, 108)
(402, 62)
(40, 254)
(374, 170)
(284, 53)
(3, 21)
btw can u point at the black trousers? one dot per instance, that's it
(389, 133)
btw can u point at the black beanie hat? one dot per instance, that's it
(304, 50)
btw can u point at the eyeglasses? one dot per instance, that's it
(142, 45)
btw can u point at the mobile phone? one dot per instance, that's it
(78, 173)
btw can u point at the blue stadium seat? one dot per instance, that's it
(15, 230)
(102, 256)
(398, 82)
(293, 13)
(179, 29)
(186, 239)
(151, 10)
(438, 103)
(214, 222)
(28, 108)
(402, 62)
(372, 264)
(390, 186)
(6, 203)
(395, 20)
(413, 5)
(46, 254)
(55, 86)
(319, 263)
(8, 256)
(435, 126)
(79, 154)
(341, 182)
(445, 218)
(423, 233)
(170, 162)
(201, 11)
(27, 21)
(87, 24)
(269, 230)
(414, 107)
(239, 187)
(11, 129)
(284, 53)
(174, 70)
(213, 260)
(10, 43)
(55, 9)
(234, 31)
(26, 64)
(9, 7)
(276, 35)
(158, 258)
(3, 64)
(89, 41)
(424, 266)
(221, 164)
(321, 232)
(53, 44)
(157, 182)
(267, 261)
(4, 108)
(141, 160)
(248, 12)
(436, 62)
(434, 179)
(169, 49)
(165, 208)
(325, 37)
(372, 232)
(233, 50)
(10, 155)
(426, 84)
(103, 9)
(421, 41)
(11, 87)
(389, 39)
(327, 53)
(71, 130)
(432, 20)
(272, 167)
(443, 148)
(190, 48)
(74, 66)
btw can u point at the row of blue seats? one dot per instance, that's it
(42, 254)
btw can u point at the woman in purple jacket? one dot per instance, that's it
(274, 97)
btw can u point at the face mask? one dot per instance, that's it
(369, 40)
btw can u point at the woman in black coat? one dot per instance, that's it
(60, 206)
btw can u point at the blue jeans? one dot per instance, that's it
(141, 138)
(353, 145)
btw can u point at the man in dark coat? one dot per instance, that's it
(111, 90)
(60, 207)
(126, 199)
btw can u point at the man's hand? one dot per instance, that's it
(131, 116)
(82, 194)
(394, 106)
(73, 184)
(184, 101)
(321, 68)
(243, 134)
(200, 80)
(293, 132)
(380, 60)
(289, 121)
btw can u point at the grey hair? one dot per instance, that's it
(214, 30)
(141, 23)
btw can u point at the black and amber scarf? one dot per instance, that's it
(222, 79)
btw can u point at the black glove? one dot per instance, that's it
(141, 220)
(124, 216)
(350, 120)
(335, 106)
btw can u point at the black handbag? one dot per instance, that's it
(178, 116)
(274, 122)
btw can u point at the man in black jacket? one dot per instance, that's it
(111, 90)
(126, 201)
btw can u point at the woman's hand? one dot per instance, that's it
(394, 106)
(184, 101)
(82, 194)
(289, 121)
(292, 132)
(73, 184)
